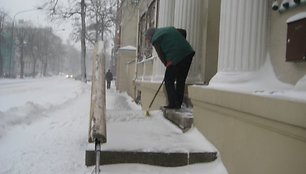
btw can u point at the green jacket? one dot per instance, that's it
(171, 45)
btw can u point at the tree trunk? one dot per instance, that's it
(1, 60)
(1, 65)
(45, 66)
(83, 46)
(21, 62)
(34, 65)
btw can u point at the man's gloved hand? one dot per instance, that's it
(168, 63)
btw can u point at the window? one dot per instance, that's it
(146, 21)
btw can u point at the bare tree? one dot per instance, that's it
(101, 16)
(75, 9)
(45, 43)
(21, 39)
(71, 60)
(83, 43)
(56, 53)
(35, 48)
(32, 48)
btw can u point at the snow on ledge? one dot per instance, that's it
(128, 48)
(262, 82)
(301, 84)
(296, 17)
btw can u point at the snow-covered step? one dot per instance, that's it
(182, 118)
(133, 137)
(151, 158)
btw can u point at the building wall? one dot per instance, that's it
(202, 27)
(129, 23)
(150, 72)
(254, 133)
(123, 77)
(5, 54)
(148, 91)
(211, 40)
(131, 86)
(128, 39)
(289, 72)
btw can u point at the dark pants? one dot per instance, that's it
(108, 83)
(177, 73)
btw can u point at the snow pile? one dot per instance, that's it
(301, 84)
(262, 82)
(43, 125)
(28, 100)
(20, 115)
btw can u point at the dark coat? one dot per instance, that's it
(109, 76)
(171, 45)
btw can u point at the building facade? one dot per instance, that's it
(247, 82)
(125, 46)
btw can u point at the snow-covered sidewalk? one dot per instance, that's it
(128, 129)
(44, 126)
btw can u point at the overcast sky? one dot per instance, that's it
(38, 17)
(15, 6)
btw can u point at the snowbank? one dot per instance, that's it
(26, 100)
(262, 82)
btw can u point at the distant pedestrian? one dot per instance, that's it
(108, 78)
(176, 54)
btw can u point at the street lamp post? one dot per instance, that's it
(13, 27)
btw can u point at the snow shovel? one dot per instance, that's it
(147, 111)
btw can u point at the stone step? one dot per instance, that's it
(152, 130)
(182, 118)
(150, 158)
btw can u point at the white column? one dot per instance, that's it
(165, 18)
(243, 29)
(189, 14)
(166, 13)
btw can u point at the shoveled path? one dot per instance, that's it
(133, 137)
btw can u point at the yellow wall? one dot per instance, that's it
(289, 72)
(254, 134)
(124, 78)
(148, 91)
